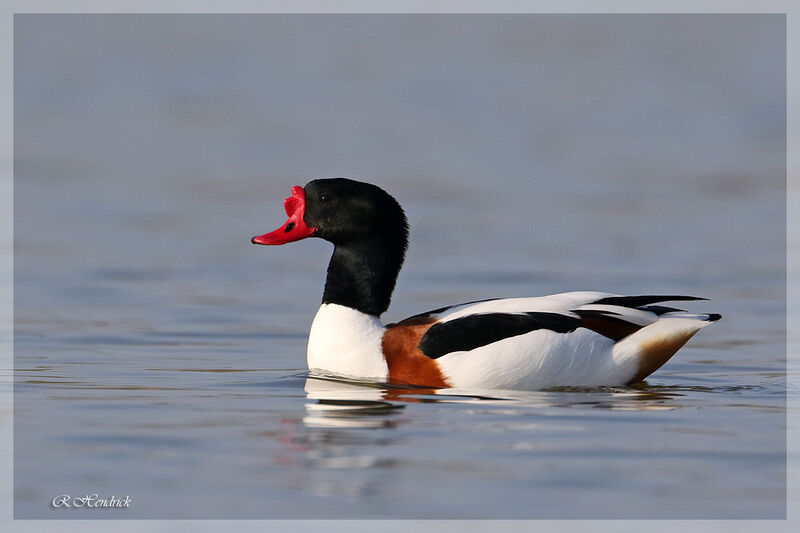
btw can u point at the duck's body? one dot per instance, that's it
(569, 339)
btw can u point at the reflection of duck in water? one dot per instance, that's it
(348, 404)
(570, 339)
(335, 402)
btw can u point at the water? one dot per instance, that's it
(159, 355)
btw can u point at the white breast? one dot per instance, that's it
(347, 342)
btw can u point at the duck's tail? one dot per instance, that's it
(653, 345)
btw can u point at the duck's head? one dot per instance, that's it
(341, 211)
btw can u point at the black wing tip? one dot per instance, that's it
(641, 300)
(713, 317)
(676, 297)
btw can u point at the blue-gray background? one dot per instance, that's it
(159, 355)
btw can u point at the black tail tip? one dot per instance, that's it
(713, 317)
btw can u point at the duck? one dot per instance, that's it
(571, 339)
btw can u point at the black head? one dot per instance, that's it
(341, 211)
(368, 229)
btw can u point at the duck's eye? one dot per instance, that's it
(323, 198)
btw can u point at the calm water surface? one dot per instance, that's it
(161, 356)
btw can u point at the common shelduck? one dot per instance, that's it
(570, 339)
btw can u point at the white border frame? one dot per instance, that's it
(10, 7)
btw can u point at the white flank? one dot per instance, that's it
(538, 360)
(347, 342)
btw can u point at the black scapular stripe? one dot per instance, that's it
(474, 331)
(638, 301)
